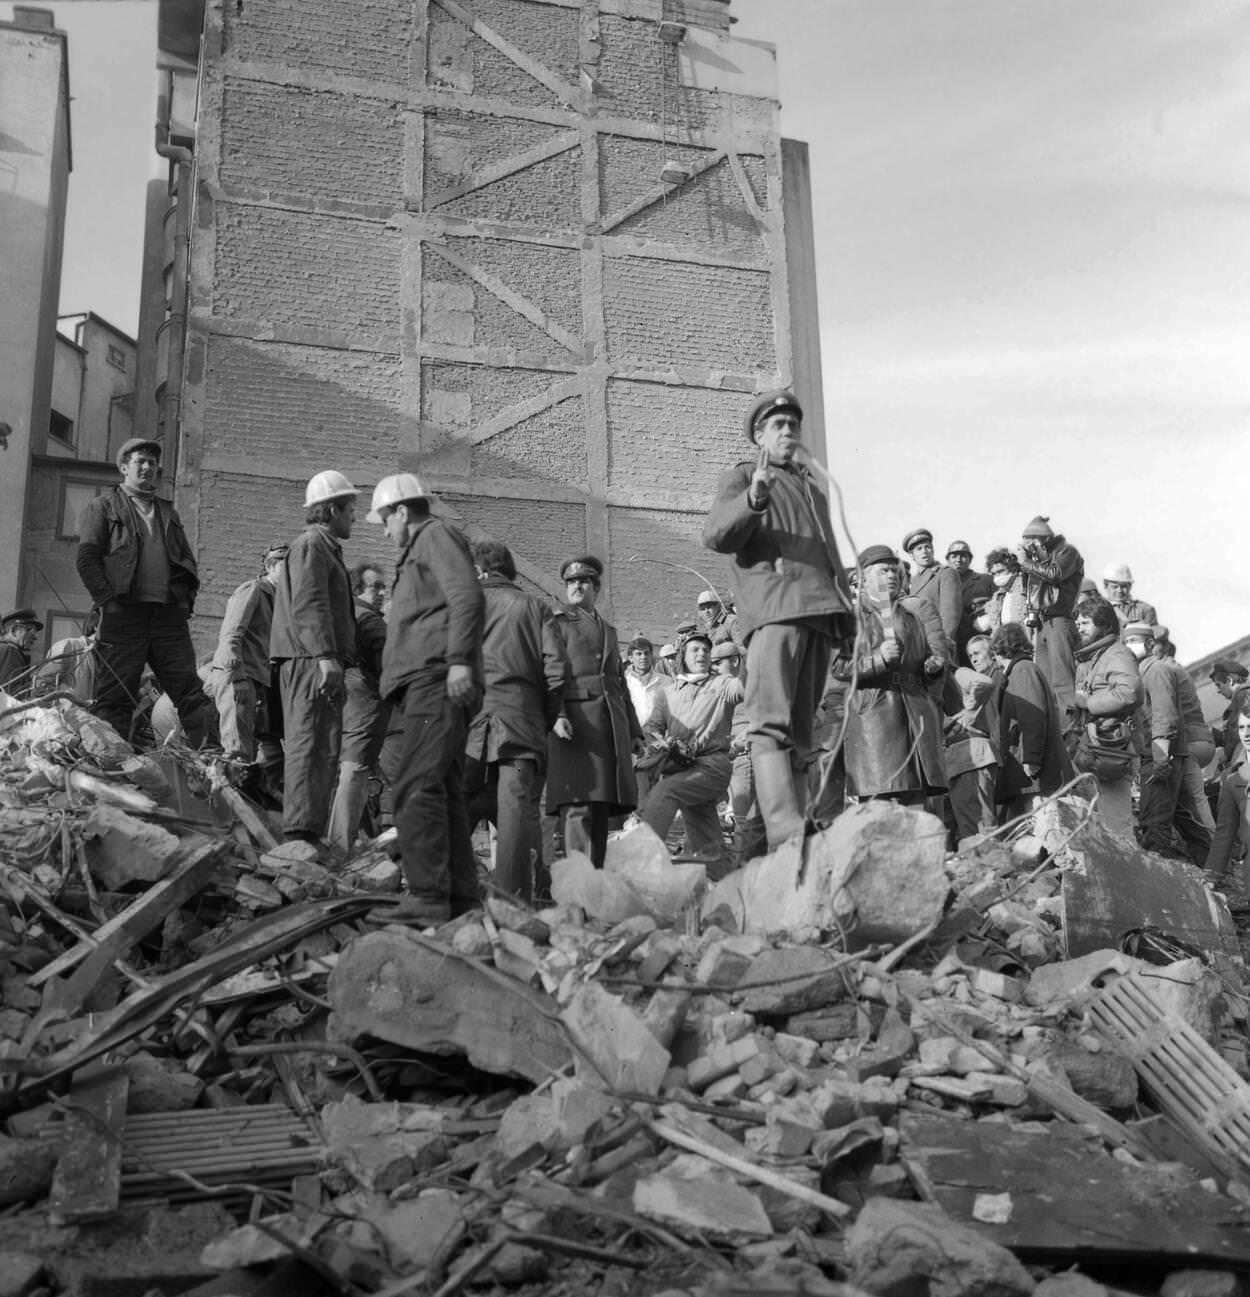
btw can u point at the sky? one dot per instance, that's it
(1033, 253)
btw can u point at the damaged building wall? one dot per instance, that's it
(535, 250)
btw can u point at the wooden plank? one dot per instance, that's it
(86, 1185)
(1117, 887)
(147, 912)
(250, 818)
(1070, 1200)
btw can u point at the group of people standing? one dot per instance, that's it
(973, 693)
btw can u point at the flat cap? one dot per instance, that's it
(959, 547)
(1162, 632)
(917, 537)
(1138, 630)
(582, 565)
(21, 617)
(1229, 667)
(877, 554)
(726, 649)
(138, 443)
(772, 403)
(1039, 529)
(668, 650)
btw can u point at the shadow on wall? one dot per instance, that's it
(656, 563)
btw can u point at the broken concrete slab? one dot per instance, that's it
(407, 989)
(1105, 1078)
(20, 1272)
(896, 1248)
(415, 1230)
(708, 1207)
(160, 1085)
(122, 849)
(382, 1145)
(1074, 981)
(624, 1054)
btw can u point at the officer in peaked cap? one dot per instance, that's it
(590, 771)
(18, 630)
(584, 566)
(792, 597)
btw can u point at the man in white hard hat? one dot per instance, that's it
(136, 563)
(432, 676)
(1117, 585)
(312, 641)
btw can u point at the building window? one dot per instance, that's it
(61, 427)
(116, 357)
(62, 625)
(75, 497)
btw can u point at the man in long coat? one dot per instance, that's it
(590, 773)
(893, 745)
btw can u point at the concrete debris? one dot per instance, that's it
(735, 1083)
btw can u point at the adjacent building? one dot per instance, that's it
(35, 160)
(540, 252)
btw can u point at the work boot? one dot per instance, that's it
(776, 795)
(749, 840)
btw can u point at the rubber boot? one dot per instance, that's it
(776, 795)
(749, 840)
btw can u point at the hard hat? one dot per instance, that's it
(329, 485)
(1120, 572)
(393, 490)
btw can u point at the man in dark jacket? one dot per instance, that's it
(935, 584)
(1171, 714)
(975, 589)
(432, 677)
(138, 568)
(1053, 572)
(313, 640)
(792, 597)
(1229, 678)
(18, 631)
(590, 772)
(523, 658)
(364, 714)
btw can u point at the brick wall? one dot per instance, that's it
(437, 237)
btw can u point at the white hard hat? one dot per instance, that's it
(393, 490)
(1120, 572)
(329, 485)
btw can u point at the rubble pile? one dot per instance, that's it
(853, 1066)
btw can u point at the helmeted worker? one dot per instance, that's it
(590, 773)
(136, 563)
(792, 597)
(313, 640)
(1171, 713)
(432, 677)
(1117, 585)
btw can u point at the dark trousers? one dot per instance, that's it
(787, 668)
(425, 768)
(584, 828)
(135, 635)
(1056, 658)
(694, 792)
(1162, 807)
(507, 793)
(313, 727)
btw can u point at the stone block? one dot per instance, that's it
(1202, 1283)
(19, 1273)
(769, 988)
(1105, 1078)
(838, 1022)
(25, 1169)
(721, 1061)
(122, 849)
(795, 1050)
(895, 1248)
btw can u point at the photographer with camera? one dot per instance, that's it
(1053, 571)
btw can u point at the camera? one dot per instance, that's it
(1033, 619)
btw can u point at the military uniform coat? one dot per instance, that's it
(890, 709)
(596, 765)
